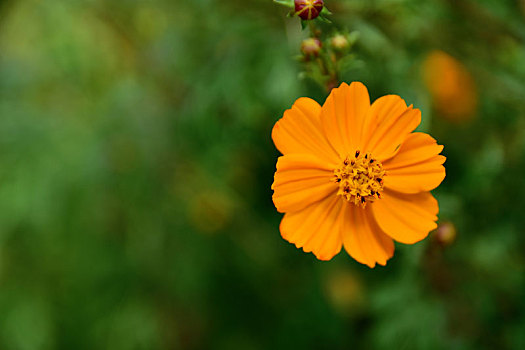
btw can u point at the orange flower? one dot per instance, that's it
(355, 175)
(451, 86)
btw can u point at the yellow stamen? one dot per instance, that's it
(360, 179)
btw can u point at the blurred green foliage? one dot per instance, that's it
(136, 164)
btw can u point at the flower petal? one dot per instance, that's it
(362, 237)
(407, 218)
(300, 131)
(316, 228)
(301, 179)
(342, 117)
(417, 167)
(382, 108)
(389, 122)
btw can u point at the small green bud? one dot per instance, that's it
(339, 42)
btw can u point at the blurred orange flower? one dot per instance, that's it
(451, 86)
(355, 175)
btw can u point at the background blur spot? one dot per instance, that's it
(136, 163)
(451, 86)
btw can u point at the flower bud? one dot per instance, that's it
(339, 42)
(308, 9)
(311, 47)
(445, 234)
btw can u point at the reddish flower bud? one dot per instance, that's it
(308, 9)
(445, 234)
(310, 47)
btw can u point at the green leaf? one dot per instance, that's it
(322, 18)
(287, 3)
(325, 11)
(304, 24)
(349, 62)
(352, 37)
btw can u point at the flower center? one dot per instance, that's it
(360, 179)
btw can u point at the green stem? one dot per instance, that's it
(327, 70)
(313, 29)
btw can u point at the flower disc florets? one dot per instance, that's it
(360, 179)
(308, 9)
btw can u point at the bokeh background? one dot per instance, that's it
(136, 164)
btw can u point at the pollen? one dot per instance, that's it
(360, 179)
